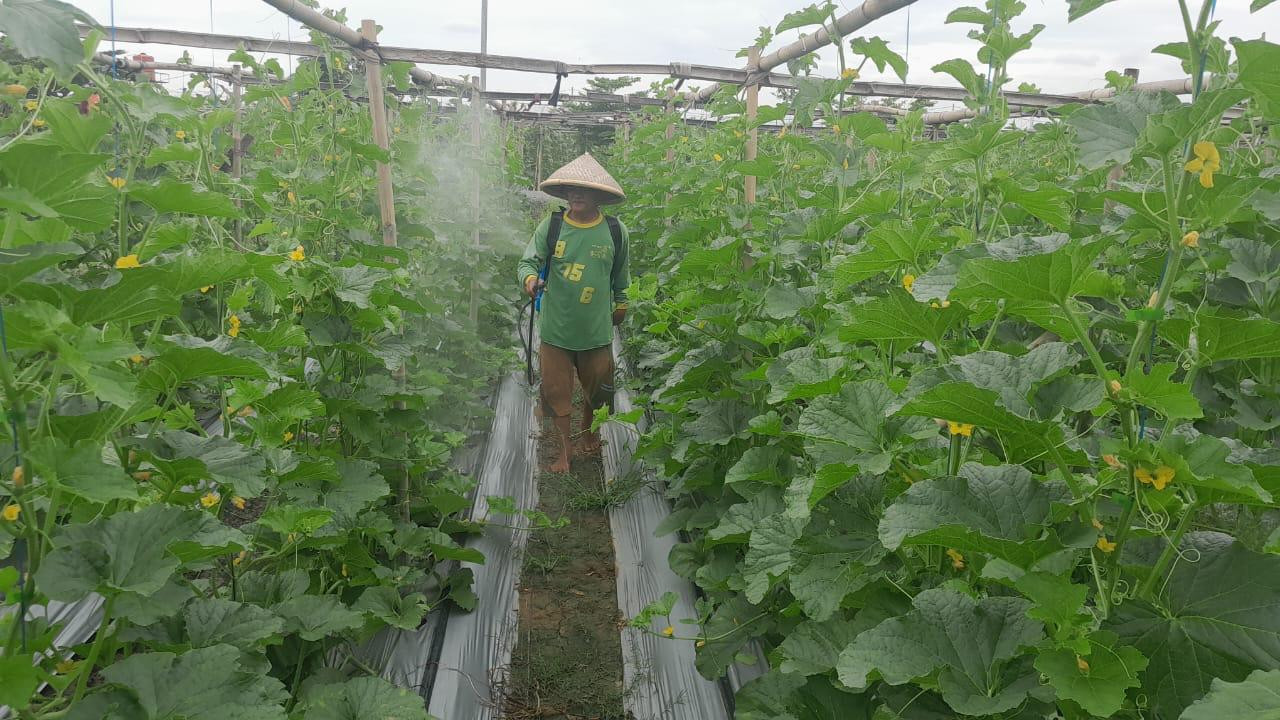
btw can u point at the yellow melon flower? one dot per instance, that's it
(136, 359)
(128, 261)
(237, 501)
(1097, 524)
(1082, 664)
(849, 73)
(233, 326)
(962, 429)
(1207, 161)
(116, 182)
(668, 631)
(957, 560)
(298, 254)
(940, 305)
(19, 476)
(12, 511)
(1115, 387)
(181, 134)
(1111, 460)
(38, 122)
(717, 157)
(1106, 545)
(210, 498)
(31, 105)
(206, 288)
(908, 281)
(288, 436)
(1143, 475)
(1191, 240)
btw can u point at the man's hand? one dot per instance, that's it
(531, 286)
(619, 315)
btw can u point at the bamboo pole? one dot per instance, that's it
(753, 135)
(378, 109)
(386, 198)
(846, 24)
(365, 48)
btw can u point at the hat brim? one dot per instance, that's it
(560, 188)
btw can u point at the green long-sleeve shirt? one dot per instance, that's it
(584, 285)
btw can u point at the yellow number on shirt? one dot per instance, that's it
(586, 295)
(559, 248)
(573, 271)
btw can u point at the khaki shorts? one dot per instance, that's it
(595, 372)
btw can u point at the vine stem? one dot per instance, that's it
(83, 683)
(1166, 557)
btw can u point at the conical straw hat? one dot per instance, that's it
(583, 172)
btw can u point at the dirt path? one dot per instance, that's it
(568, 659)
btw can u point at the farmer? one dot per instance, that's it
(584, 295)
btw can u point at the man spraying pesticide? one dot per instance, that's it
(576, 271)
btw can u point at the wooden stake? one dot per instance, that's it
(378, 109)
(753, 107)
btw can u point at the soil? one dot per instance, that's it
(567, 663)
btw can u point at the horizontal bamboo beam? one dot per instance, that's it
(856, 19)
(216, 41)
(687, 71)
(125, 63)
(368, 50)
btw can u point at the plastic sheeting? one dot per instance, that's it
(475, 652)
(79, 620)
(659, 676)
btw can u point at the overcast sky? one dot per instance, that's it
(1064, 58)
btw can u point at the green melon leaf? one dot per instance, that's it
(962, 636)
(131, 551)
(1101, 688)
(1156, 391)
(999, 511)
(202, 684)
(213, 621)
(169, 195)
(315, 617)
(1218, 617)
(814, 647)
(362, 698)
(1256, 697)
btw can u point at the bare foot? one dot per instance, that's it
(590, 444)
